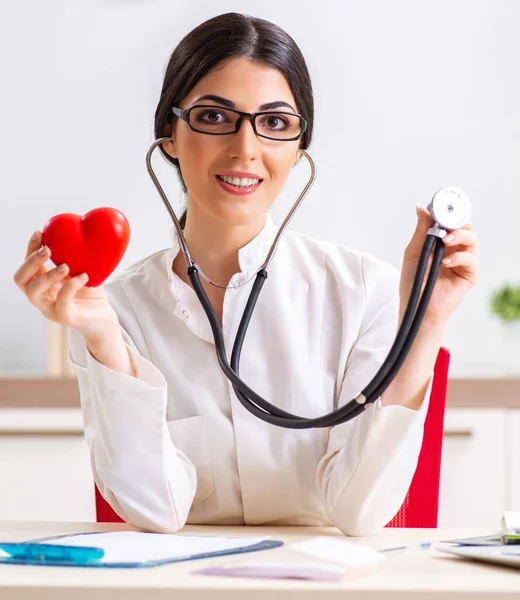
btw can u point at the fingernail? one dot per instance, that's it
(35, 236)
(62, 268)
(449, 238)
(446, 261)
(43, 250)
(83, 277)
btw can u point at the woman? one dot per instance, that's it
(169, 441)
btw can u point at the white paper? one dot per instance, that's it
(340, 551)
(139, 547)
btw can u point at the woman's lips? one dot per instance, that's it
(239, 191)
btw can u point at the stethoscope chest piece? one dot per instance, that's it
(450, 207)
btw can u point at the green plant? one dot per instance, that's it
(505, 302)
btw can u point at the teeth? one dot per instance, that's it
(239, 181)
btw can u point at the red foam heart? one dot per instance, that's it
(93, 243)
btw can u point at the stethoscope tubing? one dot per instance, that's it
(406, 335)
(253, 402)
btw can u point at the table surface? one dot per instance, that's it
(407, 574)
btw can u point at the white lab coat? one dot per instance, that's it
(175, 446)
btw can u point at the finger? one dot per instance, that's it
(424, 222)
(41, 285)
(466, 260)
(68, 292)
(424, 219)
(461, 237)
(52, 292)
(34, 243)
(31, 267)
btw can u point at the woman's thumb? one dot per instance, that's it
(424, 220)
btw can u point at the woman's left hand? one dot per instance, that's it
(457, 275)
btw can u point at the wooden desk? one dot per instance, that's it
(424, 574)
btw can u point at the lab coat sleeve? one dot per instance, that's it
(138, 470)
(370, 460)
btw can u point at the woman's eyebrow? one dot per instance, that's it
(277, 104)
(231, 104)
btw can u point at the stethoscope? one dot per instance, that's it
(450, 209)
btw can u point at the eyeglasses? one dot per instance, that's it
(214, 120)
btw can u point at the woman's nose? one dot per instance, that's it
(245, 145)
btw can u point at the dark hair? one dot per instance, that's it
(224, 38)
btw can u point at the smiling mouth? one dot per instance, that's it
(240, 182)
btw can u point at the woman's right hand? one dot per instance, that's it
(64, 299)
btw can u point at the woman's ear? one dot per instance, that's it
(170, 147)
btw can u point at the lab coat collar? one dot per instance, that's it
(253, 254)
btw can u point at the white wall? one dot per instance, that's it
(410, 96)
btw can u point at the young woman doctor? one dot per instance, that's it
(170, 443)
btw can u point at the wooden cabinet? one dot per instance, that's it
(44, 466)
(473, 474)
(45, 471)
(513, 460)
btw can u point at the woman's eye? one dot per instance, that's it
(275, 122)
(212, 116)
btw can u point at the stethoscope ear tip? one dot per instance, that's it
(450, 207)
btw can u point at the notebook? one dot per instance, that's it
(509, 533)
(333, 558)
(126, 549)
(508, 556)
(499, 548)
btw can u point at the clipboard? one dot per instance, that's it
(90, 549)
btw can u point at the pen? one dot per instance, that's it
(419, 546)
(43, 552)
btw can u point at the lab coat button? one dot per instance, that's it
(186, 314)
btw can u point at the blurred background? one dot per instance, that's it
(410, 96)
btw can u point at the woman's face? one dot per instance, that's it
(205, 159)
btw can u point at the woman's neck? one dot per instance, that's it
(214, 246)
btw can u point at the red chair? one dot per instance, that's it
(421, 504)
(420, 507)
(104, 512)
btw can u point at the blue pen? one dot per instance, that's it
(52, 552)
(419, 546)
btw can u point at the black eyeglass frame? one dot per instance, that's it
(184, 114)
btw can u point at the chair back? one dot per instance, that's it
(421, 505)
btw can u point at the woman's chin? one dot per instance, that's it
(238, 211)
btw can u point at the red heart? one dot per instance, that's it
(92, 244)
